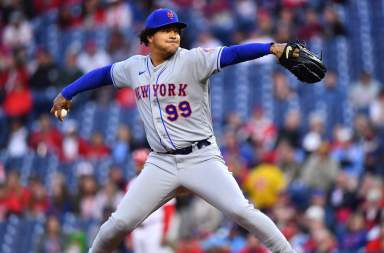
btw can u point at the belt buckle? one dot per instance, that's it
(195, 146)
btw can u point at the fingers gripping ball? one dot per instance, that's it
(61, 113)
(301, 62)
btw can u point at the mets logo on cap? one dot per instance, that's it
(170, 15)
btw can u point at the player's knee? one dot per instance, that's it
(239, 212)
(127, 223)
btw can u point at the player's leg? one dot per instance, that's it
(212, 181)
(152, 188)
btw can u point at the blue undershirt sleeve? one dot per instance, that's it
(241, 53)
(92, 80)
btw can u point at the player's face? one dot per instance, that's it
(166, 40)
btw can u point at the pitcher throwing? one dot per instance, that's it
(172, 92)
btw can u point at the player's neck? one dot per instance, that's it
(157, 59)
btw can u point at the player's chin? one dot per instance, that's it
(171, 50)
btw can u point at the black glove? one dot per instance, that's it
(304, 64)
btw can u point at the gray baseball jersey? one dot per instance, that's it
(173, 97)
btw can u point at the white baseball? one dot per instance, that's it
(63, 113)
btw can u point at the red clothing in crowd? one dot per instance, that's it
(97, 151)
(52, 139)
(18, 102)
(16, 200)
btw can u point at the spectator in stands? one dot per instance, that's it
(42, 7)
(86, 199)
(371, 192)
(321, 241)
(375, 243)
(315, 133)
(311, 27)
(206, 40)
(287, 162)
(373, 142)
(363, 92)
(17, 142)
(285, 29)
(61, 200)
(47, 72)
(73, 145)
(53, 240)
(18, 101)
(43, 80)
(261, 130)
(332, 24)
(349, 154)
(220, 18)
(18, 33)
(264, 183)
(238, 157)
(121, 147)
(92, 57)
(17, 196)
(290, 131)
(376, 110)
(283, 97)
(354, 237)
(119, 14)
(46, 139)
(333, 97)
(342, 199)
(320, 170)
(17, 98)
(93, 15)
(69, 72)
(118, 46)
(13, 67)
(67, 18)
(76, 242)
(38, 201)
(253, 246)
(107, 200)
(126, 98)
(116, 175)
(97, 148)
(360, 125)
(3, 203)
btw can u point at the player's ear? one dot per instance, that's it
(150, 38)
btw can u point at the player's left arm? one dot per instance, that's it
(295, 57)
(246, 52)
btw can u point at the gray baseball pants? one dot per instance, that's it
(202, 172)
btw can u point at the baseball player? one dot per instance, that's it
(172, 95)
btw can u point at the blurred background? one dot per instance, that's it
(309, 156)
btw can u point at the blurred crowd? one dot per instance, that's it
(320, 180)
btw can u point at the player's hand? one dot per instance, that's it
(277, 49)
(60, 107)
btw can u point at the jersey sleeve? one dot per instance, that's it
(121, 73)
(205, 61)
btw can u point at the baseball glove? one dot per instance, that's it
(304, 64)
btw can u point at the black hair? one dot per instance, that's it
(144, 35)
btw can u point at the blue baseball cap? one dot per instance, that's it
(162, 17)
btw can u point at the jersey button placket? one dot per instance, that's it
(156, 114)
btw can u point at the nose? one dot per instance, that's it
(173, 34)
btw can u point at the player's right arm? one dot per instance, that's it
(91, 80)
(117, 74)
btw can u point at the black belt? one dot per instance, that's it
(187, 150)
